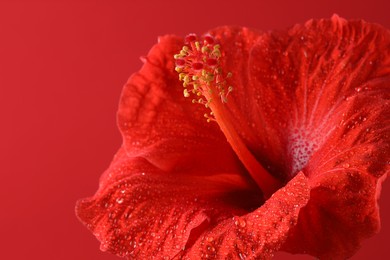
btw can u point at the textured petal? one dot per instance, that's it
(144, 211)
(342, 211)
(316, 98)
(259, 234)
(293, 88)
(345, 168)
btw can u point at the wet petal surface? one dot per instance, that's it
(148, 212)
(259, 234)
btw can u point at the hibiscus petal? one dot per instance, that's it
(354, 150)
(342, 211)
(315, 98)
(318, 101)
(259, 234)
(143, 211)
(293, 88)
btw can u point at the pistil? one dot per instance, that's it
(199, 68)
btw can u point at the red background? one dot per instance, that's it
(62, 68)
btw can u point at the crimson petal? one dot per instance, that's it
(347, 170)
(315, 98)
(259, 234)
(149, 212)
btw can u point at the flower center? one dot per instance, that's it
(199, 68)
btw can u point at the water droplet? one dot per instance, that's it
(211, 248)
(119, 200)
(346, 165)
(239, 222)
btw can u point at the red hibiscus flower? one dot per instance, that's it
(293, 159)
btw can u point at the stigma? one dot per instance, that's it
(199, 66)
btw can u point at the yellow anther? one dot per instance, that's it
(187, 79)
(177, 56)
(185, 93)
(207, 118)
(205, 49)
(216, 51)
(181, 76)
(197, 46)
(199, 67)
